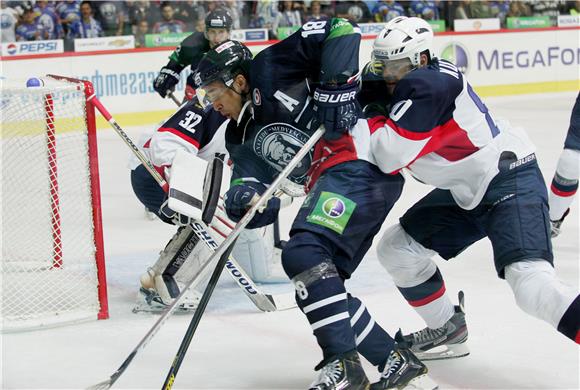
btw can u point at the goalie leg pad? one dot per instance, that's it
(255, 252)
(184, 240)
(180, 262)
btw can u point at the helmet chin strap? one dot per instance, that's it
(245, 106)
(242, 94)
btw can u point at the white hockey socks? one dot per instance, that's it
(410, 265)
(564, 184)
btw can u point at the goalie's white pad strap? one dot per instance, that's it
(221, 224)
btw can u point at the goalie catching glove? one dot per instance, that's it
(240, 199)
(337, 109)
(167, 78)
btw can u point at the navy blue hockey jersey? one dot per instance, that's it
(283, 78)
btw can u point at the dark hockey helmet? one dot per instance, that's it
(222, 63)
(219, 18)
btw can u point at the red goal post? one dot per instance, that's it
(52, 269)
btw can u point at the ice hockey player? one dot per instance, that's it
(276, 102)
(200, 132)
(218, 24)
(487, 181)
(565, 180)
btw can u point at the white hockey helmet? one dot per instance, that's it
(404, 37)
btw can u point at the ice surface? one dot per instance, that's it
(237, 347)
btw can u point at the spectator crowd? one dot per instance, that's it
(70, 19)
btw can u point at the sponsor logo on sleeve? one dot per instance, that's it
(332, 211)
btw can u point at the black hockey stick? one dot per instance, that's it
(168, 384)
(224, 249)
(173, 97)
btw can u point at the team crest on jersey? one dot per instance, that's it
(278, 143)
(257, 97)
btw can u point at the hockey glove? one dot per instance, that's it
(337, 109)
(238, 200)
(173, 217)
(167, 78)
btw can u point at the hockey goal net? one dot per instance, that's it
(52, 269)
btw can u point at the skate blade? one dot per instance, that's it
(443, 352)
(422, 382)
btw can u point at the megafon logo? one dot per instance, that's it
(334, 207)
(457, 54)
(11, 49)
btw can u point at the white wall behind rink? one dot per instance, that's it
(507, 60)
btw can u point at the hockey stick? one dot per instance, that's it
(264, 302)
(226, 247)
(173, 97)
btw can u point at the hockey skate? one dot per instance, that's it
(404, 370)
(556, 226)
(342, 373)
(446, 342)
(149, 300)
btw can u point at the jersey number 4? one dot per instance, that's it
(190, 121)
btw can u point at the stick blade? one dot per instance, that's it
(104, 385)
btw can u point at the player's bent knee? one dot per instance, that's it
(408, 262)
(303, 251)
(537, 291)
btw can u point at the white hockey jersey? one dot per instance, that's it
(440, 131)
(196, 130)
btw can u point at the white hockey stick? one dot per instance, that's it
(264, 302)
(219, 251)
